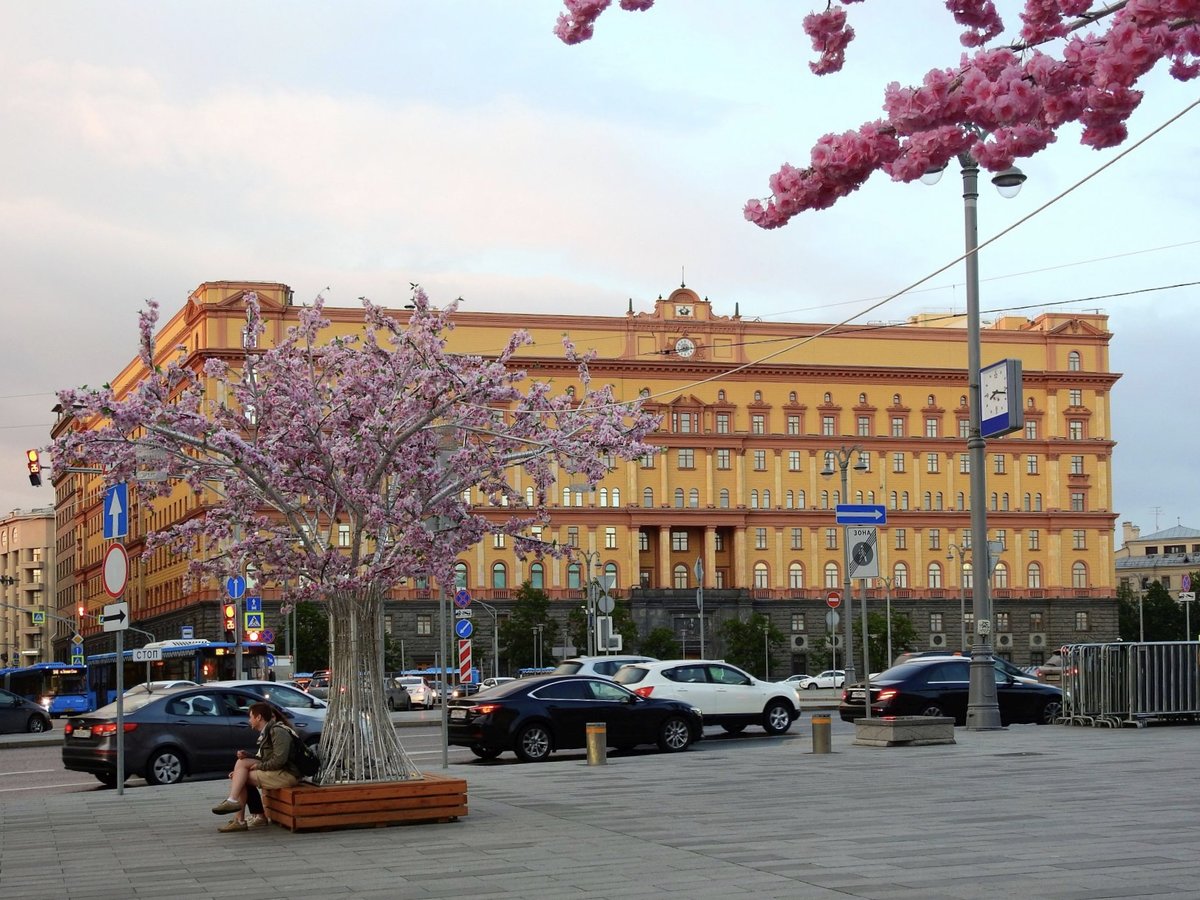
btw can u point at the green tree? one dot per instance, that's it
(312, 636)
(744, 644)
(518, 633)
(660, 643)
(1164, 619)
(904, 638)
(393, 661)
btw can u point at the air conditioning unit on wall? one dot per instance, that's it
(937, 641)
(799, 643)
(1004, 641)
(837, 641)
(1037, 640)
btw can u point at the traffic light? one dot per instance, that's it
(253, 636)
(35, 467)
(82, 610)
(230, 622)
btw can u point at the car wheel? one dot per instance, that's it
(391, 705)
(108, 779)
(485, 752)
(734, 729)
(674, 735)
(533, 743)
(811, 686)
(165, 767)
(777, 717)
(1050, 712)
(932, 709)
(37, 724)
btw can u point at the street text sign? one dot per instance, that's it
(153, 654)
(864, 556)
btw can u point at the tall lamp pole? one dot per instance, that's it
(983, 710)
(841, 457)
(495, 637)
(699, 572)
(887, 598)
(959, 551)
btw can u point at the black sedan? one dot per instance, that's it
(533, 717)
(938, 686)
(167, 735)
(19, 714)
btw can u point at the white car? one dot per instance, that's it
(150, 687)
(419, 693)
(605, 666)
(830, 678)
(492, 682)
(724, 694)
(307, 712)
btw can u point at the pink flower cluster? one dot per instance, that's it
(830, 35)
(577, 23)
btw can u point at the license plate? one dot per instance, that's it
(458, 713)
(82, 732)
(857, 695)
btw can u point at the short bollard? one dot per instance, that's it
(821, 734)
(597, 738)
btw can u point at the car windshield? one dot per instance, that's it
(133, 703)
(630, 674)
(569, 667)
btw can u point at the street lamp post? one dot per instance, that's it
(495, 637)
(983, 711)
(593, 642)
(842, 457)
(951, 552)
(699, 571)
(766, 630)
(887, 599)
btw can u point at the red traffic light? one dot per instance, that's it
(34, 462)
(252, 636)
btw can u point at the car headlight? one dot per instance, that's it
(44, 702)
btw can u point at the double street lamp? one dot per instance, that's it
(960, 551)
(841, 458)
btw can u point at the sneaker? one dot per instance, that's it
(226, 806)
(233, 825)
(257, 821)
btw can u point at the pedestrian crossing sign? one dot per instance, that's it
(254, 621)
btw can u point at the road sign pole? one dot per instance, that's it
(121, 712)
(862, 602)
(238, 622)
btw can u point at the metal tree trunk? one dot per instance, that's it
(359, 742)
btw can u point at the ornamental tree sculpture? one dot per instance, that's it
(381, 432)
(1075, 61)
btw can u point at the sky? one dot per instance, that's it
(356, 147)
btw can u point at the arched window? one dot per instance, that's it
(801, 499)
(1000, 576)
(791, 396)
(604, 496)
(758, 396)
(824, 499)
(460, 574)
(679, 498)
(900, 575)
(938, 500)
(968, 576)
(721, 395)
(1037, 502)
(892, 500)
(831, 575)
(995, 501)
(648, 497)
(935, 575)
(870, 496)
(616, 496)
(862, 399)
(926, 504)
(962, 400)
(610, 575)
(858, 496)
(754, 499)
(762, 578)
(789, 500)
(537, 576)
(574, 576)
(1028, 507)
(499, 576)
(828, 397)
(959, 501)
(837, 497)
(694, 498)
(904, 499)
(796, 576)
(644, 392)
(681, 576)
(566, 496)
(1033, 576)
(529, 496)
(766, 499)
(724, 498)
(1073, 361)
(895, 399)
(1004, 502)
(1079, 578)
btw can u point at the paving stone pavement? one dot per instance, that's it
(1046, 812)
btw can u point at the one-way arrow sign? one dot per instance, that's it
(860, 514)
(116, 616)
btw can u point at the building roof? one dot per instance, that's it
(1168, 534)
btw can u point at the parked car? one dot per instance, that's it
(939, 686)
(436, 691)
(535, 716)
(318, 686)
(830, 678)
(597, 665)
(795, 679)
(725, 694)
(492, 682)
(19, 714)
(464, 689)
(167, 736)
(419, 694)
(307, 712)
(149, 687)
(396, 694)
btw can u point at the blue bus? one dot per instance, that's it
(182, 660)
(61, 689)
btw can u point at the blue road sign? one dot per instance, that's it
(268, 636)
(254, 604)
(860, 514)
(254, 621)
(462, 598)
(116, 511)
(235, 586)
(463, 628)
(270, 659)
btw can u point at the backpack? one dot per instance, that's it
(303, 757)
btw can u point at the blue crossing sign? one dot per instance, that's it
(463, 628)
(116, 511)
(860, 514)
(254, 621)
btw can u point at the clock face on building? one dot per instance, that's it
(685, 347)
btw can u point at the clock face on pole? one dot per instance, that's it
(1000, 409)
(685, 347)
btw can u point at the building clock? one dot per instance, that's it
(1000, 398)
(685, 347)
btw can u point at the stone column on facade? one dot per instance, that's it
(739, 558)
(710, 556)
(664, 557)
(739, 477)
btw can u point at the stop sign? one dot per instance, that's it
(833, 599)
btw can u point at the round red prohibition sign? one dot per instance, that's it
(833, 599)
(116, 570)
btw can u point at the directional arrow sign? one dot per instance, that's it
(116, 511)
(860, 514)
(463, 628)
(116, 616)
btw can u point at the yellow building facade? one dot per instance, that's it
(751, 412)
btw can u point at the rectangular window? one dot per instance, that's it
(1079, 539)
(424, 623)
(897, 426)
(343, 535)
(758, 424)
(864, 426)
(998, 463)
(827, 426)
(1001, 623)
(1075, 397)
(498, 541)
(935, 539)
(964, 463)
(1002, 538)
(1031, 429)
(964, 428)
(1031, 464)
(1076, 465)
(1081, 621)
(610, 539)
(897, 462)
(931, 427)
(679, 540)
(793, 460)
(935, 623)
(1035, 539)
(687, 458)
(793, 424)
(643, 541)
(760, 460)
(760, 539)
(797, 538)
(797, 621)
(864, 461)
(720, 544)
(722, 423)
(1078, 501)
(931, 463)
(901, 538)
(831, 538)
(1035, 621)
(647, 461)
(723, 459)
(572, 536)
(1075, 430)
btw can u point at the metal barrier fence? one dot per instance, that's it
(1130, 684)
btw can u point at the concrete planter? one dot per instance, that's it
(903, 731)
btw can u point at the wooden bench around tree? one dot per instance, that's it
(307, 807)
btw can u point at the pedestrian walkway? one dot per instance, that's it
(1046, 812)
